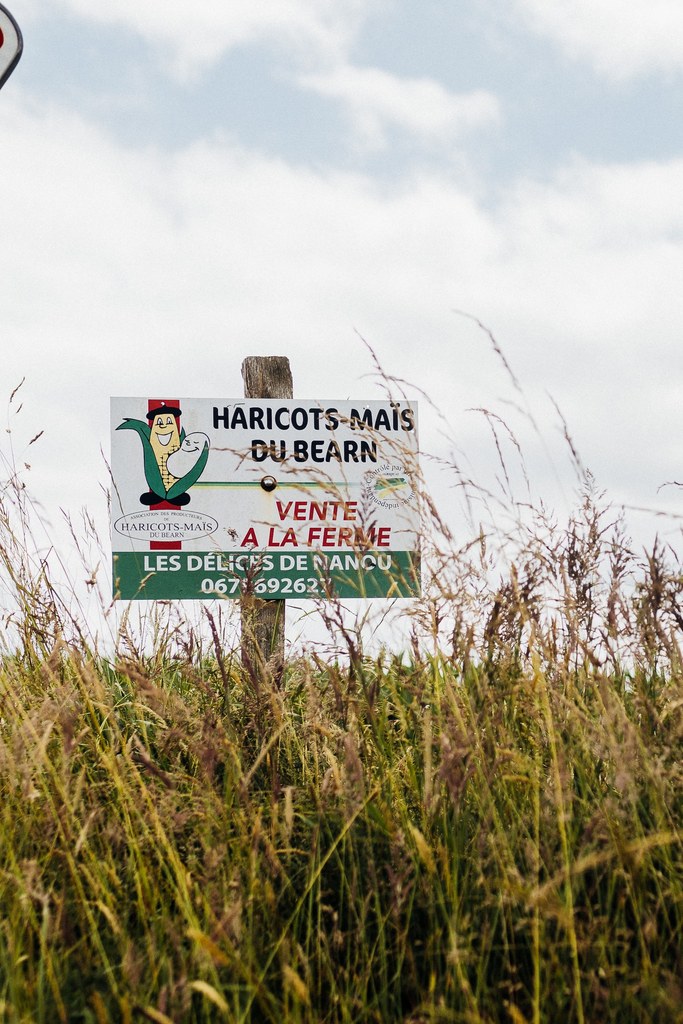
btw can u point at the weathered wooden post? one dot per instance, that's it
(263, 622)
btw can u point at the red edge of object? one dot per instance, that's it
(20, 46)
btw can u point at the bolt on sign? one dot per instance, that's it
(11, 44)
(282, 498)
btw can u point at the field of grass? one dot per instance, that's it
(398, 842)
(486, 828)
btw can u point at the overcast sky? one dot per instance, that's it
(185, 185)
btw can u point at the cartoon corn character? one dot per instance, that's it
(164, 437)
(161, 437)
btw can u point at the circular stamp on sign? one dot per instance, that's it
(389, 485)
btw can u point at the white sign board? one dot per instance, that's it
(11, 44)
(282, 497)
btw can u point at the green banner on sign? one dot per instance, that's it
(199, 575)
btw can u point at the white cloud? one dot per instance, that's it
(621, 39)
(377, 100)
(198, 34)
(126, 272)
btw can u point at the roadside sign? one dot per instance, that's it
(11, 44)
(285, 498)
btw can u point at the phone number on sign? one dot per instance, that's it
(235, 585)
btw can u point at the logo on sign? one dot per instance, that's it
(165, 525)
(389, 485)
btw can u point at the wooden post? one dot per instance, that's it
(263, 622)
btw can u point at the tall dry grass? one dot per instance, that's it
(484, 829)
